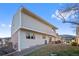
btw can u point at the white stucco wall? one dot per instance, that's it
(15, 22)
(15, 40)
(33, 24)
(27, 43)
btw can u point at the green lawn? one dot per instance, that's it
(58, 50)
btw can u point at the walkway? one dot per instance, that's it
(26, 51)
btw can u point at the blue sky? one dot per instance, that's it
(43, 10)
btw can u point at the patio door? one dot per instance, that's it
(45, 41)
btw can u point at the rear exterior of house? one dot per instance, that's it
(29, 30)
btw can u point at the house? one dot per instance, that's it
(77, 35)
(4, 41)
(67, 39)
(30, 30)
(6, 46)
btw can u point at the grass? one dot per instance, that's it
(67, 53)
(57, 49)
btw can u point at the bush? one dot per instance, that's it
(74, 44)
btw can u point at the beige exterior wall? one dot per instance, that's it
(27, 43)
(15, 22)
(77, 34)
(14, 40)
(33, 24)
(77, 39)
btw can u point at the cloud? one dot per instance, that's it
(73, 16)
(66, 15)
(53, 16)
(56, 15)
(5, 30)
(57, 12)
(9, 25)
(3, 25)
(2, 35)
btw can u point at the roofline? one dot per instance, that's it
(26, 11)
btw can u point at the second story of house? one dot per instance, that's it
(28, 20)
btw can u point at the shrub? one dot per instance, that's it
(74, 44)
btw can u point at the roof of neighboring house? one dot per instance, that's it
(68, 37)
(6, 38)
(26, 11)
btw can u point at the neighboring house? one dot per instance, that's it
(77, 35)
(4, 41)
(68, 39)
(30, 30)
(57, 40)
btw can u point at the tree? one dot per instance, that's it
(69, 14)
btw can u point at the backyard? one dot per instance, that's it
(56, 50)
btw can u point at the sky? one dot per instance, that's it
(44, 10)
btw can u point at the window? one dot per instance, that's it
(30, 36)
(44, 37)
